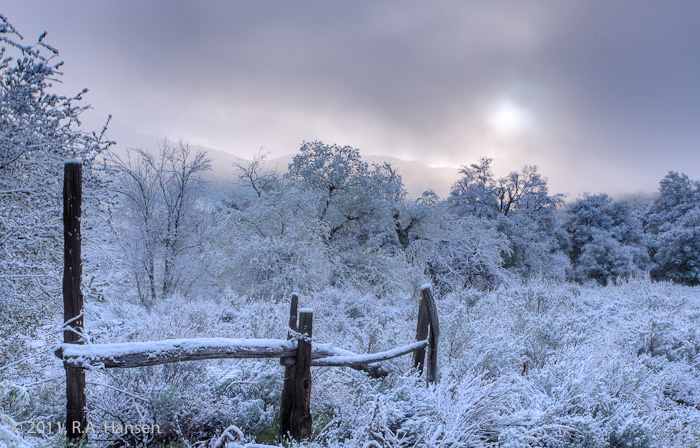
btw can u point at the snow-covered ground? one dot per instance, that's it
(530, 365)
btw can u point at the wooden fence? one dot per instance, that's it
(298, 353)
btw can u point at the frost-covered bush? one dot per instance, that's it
(535, 251)
(461, 252)
(273, 247)
(189, 401)
(12, 396)
(587, 353)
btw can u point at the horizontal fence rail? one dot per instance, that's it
(141, 354)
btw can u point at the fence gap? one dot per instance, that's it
(73, 316)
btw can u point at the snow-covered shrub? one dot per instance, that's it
(273, 247)
(375, 270)
(531, 364)
(535, 251)
(461, 252)
(362, 322)
(12, 396)
(189, 401)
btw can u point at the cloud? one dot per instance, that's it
(610, 87)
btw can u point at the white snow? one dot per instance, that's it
(88, 353)
(371, 357)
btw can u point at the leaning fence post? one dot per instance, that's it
(428, 327)
(76, 420)
(287, 394)
(298, 423)
(431, 374)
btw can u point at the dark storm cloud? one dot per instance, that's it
(609, 88)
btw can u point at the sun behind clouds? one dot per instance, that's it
(508, 118)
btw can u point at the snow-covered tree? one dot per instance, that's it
(39, 130)
(523, 209)
(535, 249)
(458, 252)
(254, 175)
(604, 239)
(480, 194)
(361, 207)
(673, 225)
(475, 192)
(526, 192)
(349, 190)
(165, 227)
(677, 255)
(678, 194)
(409, 216)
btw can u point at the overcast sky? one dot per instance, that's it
(601, 95)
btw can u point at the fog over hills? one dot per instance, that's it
(417, 177)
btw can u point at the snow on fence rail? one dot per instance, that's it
(297, 353)
(140, 354)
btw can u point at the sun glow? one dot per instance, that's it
(509, 118)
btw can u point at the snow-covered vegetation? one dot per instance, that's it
(537, 364)
(562, 325)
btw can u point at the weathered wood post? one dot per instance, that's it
(287, 394)
(293, 315)
(298, 423)
(76, 419)
(428, 327)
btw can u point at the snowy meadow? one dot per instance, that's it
(536, 364)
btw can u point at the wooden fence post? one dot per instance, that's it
(287, 393)
(293, 315)
(73, 317)
(428, 327)
(298, 423)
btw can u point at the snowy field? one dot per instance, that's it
(533, 365)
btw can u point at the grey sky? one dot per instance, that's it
(601, 95)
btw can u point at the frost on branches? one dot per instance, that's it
(38, 131)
